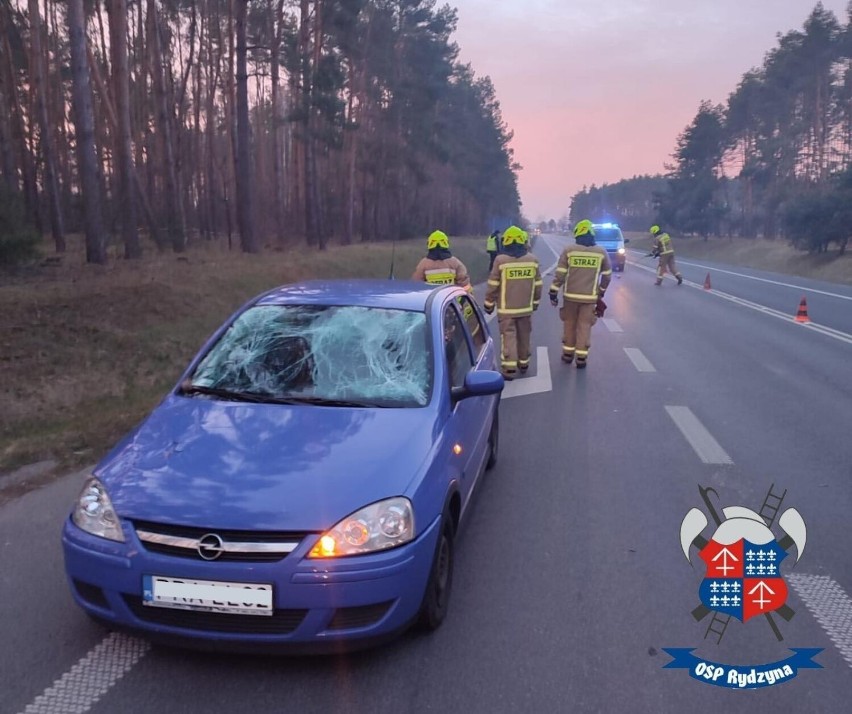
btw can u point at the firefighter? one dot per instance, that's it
(664, 250)
(583, 273)
(439, 267)
(514, 287)
(491, 248)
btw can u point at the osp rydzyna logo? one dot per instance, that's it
(743, 581)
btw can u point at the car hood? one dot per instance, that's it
(230, 465)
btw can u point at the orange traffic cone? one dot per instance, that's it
(707, 285)
(802, 314)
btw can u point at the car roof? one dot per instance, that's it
(397, 294)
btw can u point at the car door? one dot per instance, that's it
(464, 425)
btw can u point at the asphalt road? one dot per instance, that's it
(570, 578)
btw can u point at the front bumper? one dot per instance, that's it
(617, 260)
(318, 605)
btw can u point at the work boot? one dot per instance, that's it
(679, 279)
(567, 359)
(508, 374)
(659, 281)
(581, 363)
(523, 367)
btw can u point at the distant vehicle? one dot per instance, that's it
(609, 237)
(302, 485)
(537, 232)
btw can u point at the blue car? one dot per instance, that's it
(301, 487)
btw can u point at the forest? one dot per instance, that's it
(775, 160)
(266, 123)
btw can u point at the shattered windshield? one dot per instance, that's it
(323, 353)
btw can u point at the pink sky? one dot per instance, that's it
(598, 90)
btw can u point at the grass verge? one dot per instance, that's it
(86, 351)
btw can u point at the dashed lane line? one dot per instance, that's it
(538, 384)
(611, 325)
(701, 440)
(640, 361)
(81, 687)
(830, 605)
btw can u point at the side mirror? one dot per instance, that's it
(626, 240)
(479, 384)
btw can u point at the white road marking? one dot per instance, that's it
(541, 382)
(766, 280)
(611, 325)
(82, 686)
(831, 606)
(640, 361)
(816, 327)
(699, 438)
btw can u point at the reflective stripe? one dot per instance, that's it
(509, 364)
(518, 265)
(488, 304)
(582, 297)
(606, 272)
(562, 270)
(582, 353)
(568, 350)
(538, 283)
(442, 276)
(494, 283)
(514, 311)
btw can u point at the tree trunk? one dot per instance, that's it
(117, 10)
(242, 159)
(37, 72)
(174, 213)
(277, 123)
(85, 129)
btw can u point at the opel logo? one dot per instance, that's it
(210, 546)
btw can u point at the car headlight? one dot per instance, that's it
(382, 525)
(94, 513)
(621, 251)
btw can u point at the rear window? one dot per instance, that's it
(326, 352)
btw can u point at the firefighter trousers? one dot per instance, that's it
(667, 262)
(515, 339)
(577, 318)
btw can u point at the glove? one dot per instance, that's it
(554, 299)
(600, 307)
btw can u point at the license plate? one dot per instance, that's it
(207, 595)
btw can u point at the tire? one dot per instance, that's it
(436, 599)
(493, 441)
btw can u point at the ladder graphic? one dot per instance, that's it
(771, 506)
(717, 626)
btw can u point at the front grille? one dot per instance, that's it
(350, 618)
(281, 622)
(180, 541)
(91, 594)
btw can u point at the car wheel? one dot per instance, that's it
(493, 440)
(436, 599)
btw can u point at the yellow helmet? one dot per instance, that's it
(438, 239)
(654, 230)
(584, 227)
(513, 234)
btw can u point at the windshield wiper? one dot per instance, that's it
(327, 402)
(189, 388)
(254, 397)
